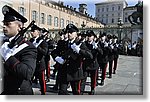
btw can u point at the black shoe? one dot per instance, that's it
(114, 72)
(92, 92)
(43, 93)
(35, 81)
(55, 88)
(47, 80)
(102, 83)
(110, 76)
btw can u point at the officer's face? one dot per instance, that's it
(10, 29)
(72, 35)
(35, 33)
(90, 38)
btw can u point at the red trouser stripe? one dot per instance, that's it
(79, 87)
(49, 69)
(105, 71)
(95, 78)
(43, 80)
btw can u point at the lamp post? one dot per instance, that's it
(120, 23)
(83, 25)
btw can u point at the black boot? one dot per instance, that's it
(92, 92)
(102, 82)
(110, 76)
(114, 72)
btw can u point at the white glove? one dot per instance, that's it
(37, 44)
(117, 45)
(59, 60)
(105, 44)
(95, 45)
(75, 47)
(6, 52)
(112, 47)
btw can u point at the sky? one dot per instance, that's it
(91, 4)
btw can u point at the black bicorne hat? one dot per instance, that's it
(12, 15)
(70, 28)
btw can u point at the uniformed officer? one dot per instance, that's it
(42, 47)
(116, 53)
(60, 49)
(103, 58)
(20, 58)
(91, 65)
(71, 70)
(111, 54)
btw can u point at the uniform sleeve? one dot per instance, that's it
(43, 48)
(99, 49)
(85, 52)
(23, 67)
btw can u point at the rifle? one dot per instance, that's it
(43, 30)
(18, 37)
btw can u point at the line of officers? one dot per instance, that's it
(77, 57)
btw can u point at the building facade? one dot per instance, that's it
(53, 15)
(109, 13)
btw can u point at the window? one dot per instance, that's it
(62, 23)
(119, 14)
(118, 7)
(42, 18)
(98, 10)
(49, 20)
(102, 9)
(112, 15)
(107, 9)
(22, 11)
(67, 22)
(112, 21)
(106, 15)
(106, 20)
(112, 8)
(22, 2)
(56, 21)
(102, 20)
(126, 19)
(34, 15)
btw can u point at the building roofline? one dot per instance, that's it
(108, 2)
(63, 6)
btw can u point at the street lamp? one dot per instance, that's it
(120, 23)
(83, 25)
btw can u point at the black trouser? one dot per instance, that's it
(41, 76)
(58, 78)
(47, 62)
(93, 76)
(110, 67)
(115, 64)
(75, 85)
(103, 67)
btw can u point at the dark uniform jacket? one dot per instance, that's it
(19, 69)
(41, 53)
(116, 51)
(92, 64)
(103, 58)
(111, 53)
(72, 70)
